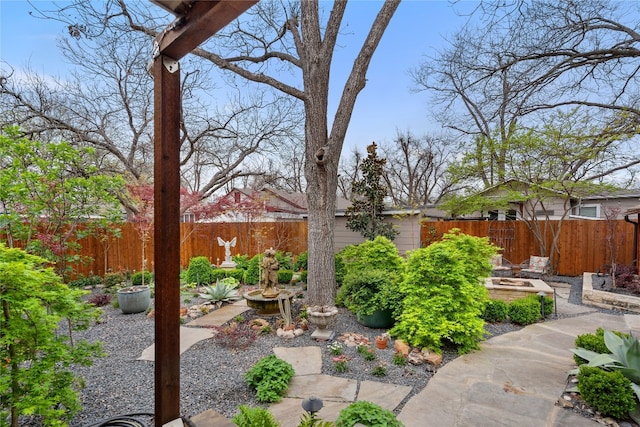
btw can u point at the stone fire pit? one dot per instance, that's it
(509, 288)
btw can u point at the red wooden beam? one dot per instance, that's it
(167, 239)
(204, 19)
(200, 22)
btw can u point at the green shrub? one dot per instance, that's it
(593, 342)
(366, 291)
(609, 392)
(303, 276)
(254, 417)
(301, 261)
(368, 414)
(270, 378)
(136, 278)
(285, 259)
(372, 274)
(252, 273)
(285, 276)
(548, 303)
(443, 295)
(495, 311)
(339, 265)
(236, 273)
(37, 364)
(242, 261)
(200, 271)
(86, 282)
(524, 311)
(113, 279)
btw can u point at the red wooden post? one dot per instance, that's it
(167, 238)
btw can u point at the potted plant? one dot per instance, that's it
(372, 295)
(370, 286)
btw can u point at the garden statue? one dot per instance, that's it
(270, 267)
(227, 263)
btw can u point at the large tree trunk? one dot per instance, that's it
(322, 150)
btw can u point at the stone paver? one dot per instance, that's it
(325, 387)
(305, 360)
(188, 337)
(221, 315)
(289, 411)
(389, 396)
(210, 418)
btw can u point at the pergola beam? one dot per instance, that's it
(201, 20)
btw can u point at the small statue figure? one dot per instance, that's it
(227, 248)
(270, 267)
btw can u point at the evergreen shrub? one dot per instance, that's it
(524, 311)
(495, 311)
(136, 278)
(609, 392)
(200, 271)
(443, 295)
(285, 276)
(252, 273)
(593, 342)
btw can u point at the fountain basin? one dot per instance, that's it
(509, 289)
(266, 306)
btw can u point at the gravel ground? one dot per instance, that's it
(211, 375)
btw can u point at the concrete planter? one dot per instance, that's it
(134, 299)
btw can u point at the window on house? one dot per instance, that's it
(493, 215)
(591, 211)
(511, 215)
(545, 213)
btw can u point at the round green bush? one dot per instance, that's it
(495, 311)
(285, 276)
(303, 276)
(368, 414)
(136, 278)
(218, 274)
(270, 378)
(524, 311)
(252, 274)
(200, 271)
(609, 392)
(548, 303)
(593, 342)
(112, 279)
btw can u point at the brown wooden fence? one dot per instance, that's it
(583, 244)
(197, 239)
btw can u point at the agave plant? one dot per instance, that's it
(624, 357)
(223, 291)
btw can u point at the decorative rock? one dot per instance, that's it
(432, 358)
(151, 315)
(298, 332)
(258, 324)
(285, 334)
(402, 347)
(351, 339)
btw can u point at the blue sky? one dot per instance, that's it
(384, 106)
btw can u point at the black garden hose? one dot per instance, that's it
(130, 420)
(126, 420)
